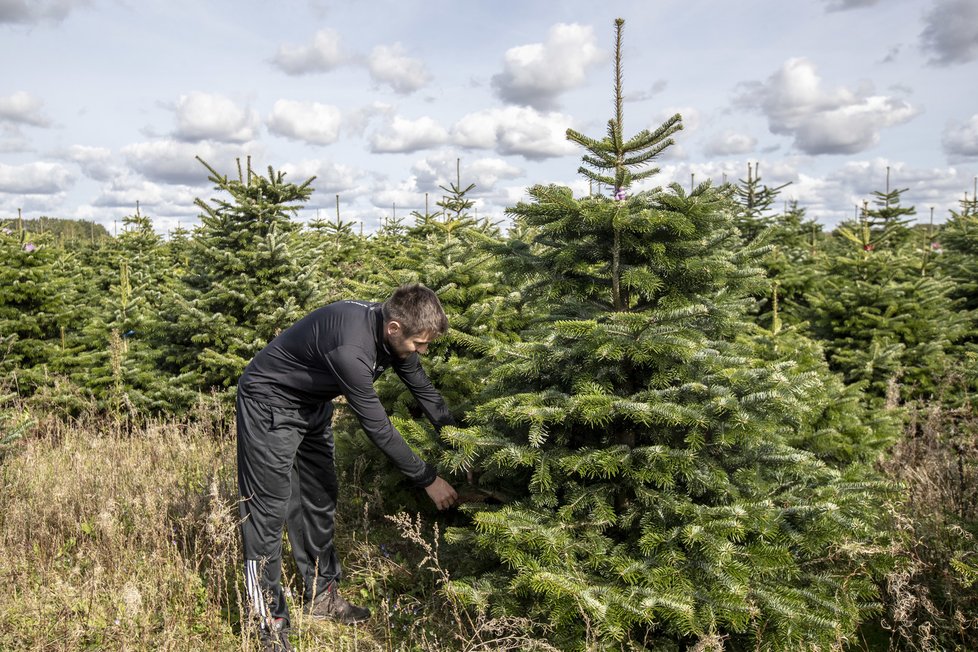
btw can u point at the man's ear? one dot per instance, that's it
(393, 327)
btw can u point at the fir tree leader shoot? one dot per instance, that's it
(286, 472)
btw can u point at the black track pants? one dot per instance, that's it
(286, 475)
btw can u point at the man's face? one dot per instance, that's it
(403, 346)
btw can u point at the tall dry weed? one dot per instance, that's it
(932, 601)
(116, 542)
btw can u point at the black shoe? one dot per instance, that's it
(276, 637)
(330, 605)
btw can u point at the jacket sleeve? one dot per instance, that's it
(413, 376)
(355, 377)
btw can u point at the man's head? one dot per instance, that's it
(413, 317)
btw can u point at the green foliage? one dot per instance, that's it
(452, 253)
(652, 465)
(31, 302)
(650, 453)
(243, 281)
(71, 233)
(755, 201)
(882, 318)
(959, 248)
(119, 361)
(338, 255)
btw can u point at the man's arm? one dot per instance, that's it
(355, 378)
(410, 372)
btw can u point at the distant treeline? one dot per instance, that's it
(59, 227)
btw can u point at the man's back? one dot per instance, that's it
(297, 367)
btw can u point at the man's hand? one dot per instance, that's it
(442, 494)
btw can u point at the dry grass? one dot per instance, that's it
(116, 542)
(121, 539)
(932, 603)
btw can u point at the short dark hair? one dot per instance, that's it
(417, 309)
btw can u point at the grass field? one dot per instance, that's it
(116, 540)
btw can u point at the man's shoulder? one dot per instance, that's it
(347, 325)
(347, 308)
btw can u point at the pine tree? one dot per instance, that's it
(882, 321)
(755, 201)
(243, 282)
(451, 252)
(119, 363)
(338, 254)
(888, 216)
(655, 499)
(30, 303)
(796, 242)
(958, 244)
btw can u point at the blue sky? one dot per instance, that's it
(104, 103)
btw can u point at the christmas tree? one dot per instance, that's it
(881, 319)
(653, 497)
(243, 282)
(118, 363)
(31, 302)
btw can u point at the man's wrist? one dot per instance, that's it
(428, 477)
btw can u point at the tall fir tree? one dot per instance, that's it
(243, 282)
(755, 201)
(655, 499)
(119, 363)
(882, 321)
(451, 252)
(338, 255)
(958, 244)
(30, 305)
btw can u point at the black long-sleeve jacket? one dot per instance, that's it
(340, 349)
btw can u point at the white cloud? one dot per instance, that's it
(434, 172)
(312, 122)
(322, 55)
(31, 12)
(404, 196)
(730, 142)
(837, 121)
(206, 116)
(35, 178)
(356, 121)
(95, 162)
(951, 32)
(32, 205)
(536, 74)
(125, 192)
(390, 65)
(836, 194)
(485, 173)
(403, 135)
(961, 140)
(174, 162)
(331, 179)
(23, 108)
(516, 130)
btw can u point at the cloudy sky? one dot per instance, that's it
(104, 103)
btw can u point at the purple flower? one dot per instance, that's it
(5, 231)
(937, 248)
(30, 247)
(621, 195)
